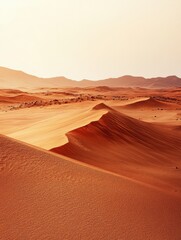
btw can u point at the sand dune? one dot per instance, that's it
(51, 126)
(10, 91)
(46, 196)
(150, 103)
(19, 98)
(130, 190)
(101, 106)
(124, 145)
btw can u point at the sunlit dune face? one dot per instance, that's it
(91, 39)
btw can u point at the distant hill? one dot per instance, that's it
(131, 81)
(19, 80)
(12, 79)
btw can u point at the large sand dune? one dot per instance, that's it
(49, 127)
(46, 196)
(124, 145)
(122, 180)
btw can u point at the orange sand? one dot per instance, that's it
(117, 174)
(46, 196)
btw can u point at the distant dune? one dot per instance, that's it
(150, 103)
(46, 196)
(19, 98)
(129, 147)
(19, 80)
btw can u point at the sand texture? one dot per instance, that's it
(44, 196)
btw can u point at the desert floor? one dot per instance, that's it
(90, 163)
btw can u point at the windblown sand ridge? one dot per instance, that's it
(129, 147)
(101, 106)
(150, 103)
(50, 128)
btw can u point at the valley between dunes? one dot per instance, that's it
(85, 163)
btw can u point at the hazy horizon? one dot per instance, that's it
(91, 39)
(109, 77)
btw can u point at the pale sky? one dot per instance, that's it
(92, 39)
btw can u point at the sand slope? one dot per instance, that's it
(124, 145)
(150, 103)
(49, 131)
(44, 196)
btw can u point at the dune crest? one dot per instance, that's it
(150, 103)
(127, 146)
(51, 130)
(101, 106)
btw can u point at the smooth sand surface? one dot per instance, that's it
(46, 196)
(47, 128)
